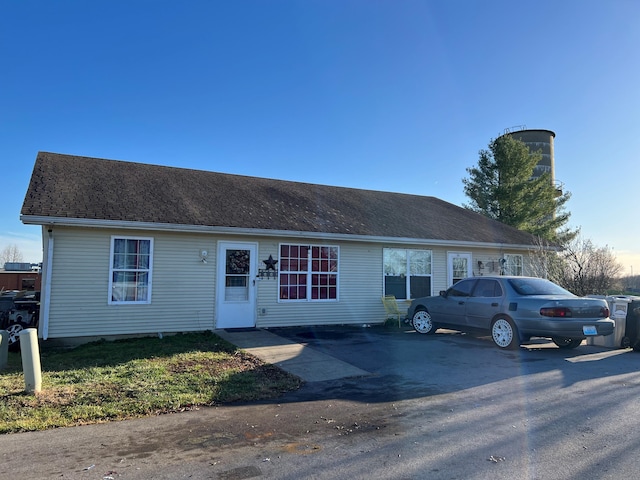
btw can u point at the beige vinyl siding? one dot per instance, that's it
(491, 261)
(361, 286)
(489, 258)
(360, 290)
(182, 296)
(184, 288)
(439, 270)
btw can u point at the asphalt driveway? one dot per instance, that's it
(447, 406)
(403, 364)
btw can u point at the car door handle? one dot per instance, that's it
(494, 304)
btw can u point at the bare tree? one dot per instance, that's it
(581, 267)
(10, 253)
(589, 269)
(545, 260)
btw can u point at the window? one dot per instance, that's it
(537, 286)
(460, 268)
(130, 270)
(308, 272)
(487, 288)
(237, 271)
(462, 288)
(407, 271)
(513, 265)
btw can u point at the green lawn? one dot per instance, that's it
(104, 381)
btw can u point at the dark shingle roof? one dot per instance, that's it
(66, 186)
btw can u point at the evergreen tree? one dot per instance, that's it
(501, 187)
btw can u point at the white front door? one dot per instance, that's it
(458, 266)
(236, 297)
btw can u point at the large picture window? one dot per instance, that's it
(407, 271)
(130, 270)
(308, 272)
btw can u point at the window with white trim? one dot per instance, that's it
(308, 272)
(130, 270)
(406, 271)
(513, 264)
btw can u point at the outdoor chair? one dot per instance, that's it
(392, 309)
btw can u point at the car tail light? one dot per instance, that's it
(604, 312)
(555, 312)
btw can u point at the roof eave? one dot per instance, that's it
(132, 225)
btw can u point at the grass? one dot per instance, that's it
(105, 381)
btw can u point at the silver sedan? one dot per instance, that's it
(512, 310)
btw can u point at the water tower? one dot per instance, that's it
(541, 140)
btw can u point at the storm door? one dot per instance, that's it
(458, 266)
(236, 297)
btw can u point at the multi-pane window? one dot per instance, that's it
(407, 271)
(513, 265)
(130, 270)
(308, 272)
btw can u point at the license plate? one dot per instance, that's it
(589, 330)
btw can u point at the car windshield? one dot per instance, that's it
(537, 286)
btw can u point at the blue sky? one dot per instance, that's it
(396, 95)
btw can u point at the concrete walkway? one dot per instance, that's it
(300, 360)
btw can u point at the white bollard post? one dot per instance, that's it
(4, 349)
(31, 360)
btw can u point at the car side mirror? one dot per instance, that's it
(443, 293)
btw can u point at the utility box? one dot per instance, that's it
(618, 307)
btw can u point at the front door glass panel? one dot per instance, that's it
(237, 271)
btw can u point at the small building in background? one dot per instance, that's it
(20, 276)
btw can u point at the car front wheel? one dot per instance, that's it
(568, 343)
(505, 334)
(423, 323)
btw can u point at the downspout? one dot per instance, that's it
(44, 314)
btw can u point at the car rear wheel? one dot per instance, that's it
(568, 343)
(14, 330)
(505, 334)
(423, 323)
